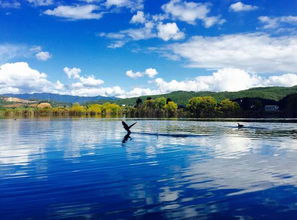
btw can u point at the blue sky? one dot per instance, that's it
(128, 48)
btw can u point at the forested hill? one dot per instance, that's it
(182, 97)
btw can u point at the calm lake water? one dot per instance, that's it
(80, 169)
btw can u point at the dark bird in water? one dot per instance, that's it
(127, 127)
(240, 125)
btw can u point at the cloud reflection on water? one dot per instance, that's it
(150, 173)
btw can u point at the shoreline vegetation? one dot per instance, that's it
(202, 107)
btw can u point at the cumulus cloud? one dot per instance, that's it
(227, 79)
(21, 78)
(10, 4)
(239, 7)
(78, 12)
(138, 18)
(150, 72)
(151, 28)
(72, 73)
(43, 55)
(132, 74)
(276, 22)
(223, 80)
(169, 31)
(102, 91)
(88, 81)
(41, 2)
(139, 92)
(255, 52)
(190, 12)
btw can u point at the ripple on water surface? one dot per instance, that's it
(80, 168)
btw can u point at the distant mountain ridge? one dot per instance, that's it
(59, 98)
(182, 97)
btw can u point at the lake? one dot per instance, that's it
(166, 169)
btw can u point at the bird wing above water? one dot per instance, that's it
(132, 125)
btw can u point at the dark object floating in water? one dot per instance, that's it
(127, 128)
(240, 125)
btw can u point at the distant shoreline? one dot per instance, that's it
(276, 120)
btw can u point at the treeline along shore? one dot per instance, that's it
(161, 107)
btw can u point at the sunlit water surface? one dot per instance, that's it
(80, 169)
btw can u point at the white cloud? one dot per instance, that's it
(41, 2)
(276, 22)
(117, 44)
(10, 51)
(150, 72)
(124, 36)
(132, 4)
(21, 78)
(119, 3)
(138, 18)
(169, 31)
(10, 4)
(212, 20)
(145, 32)
(139, 92)
(190, 12)
(43, 55)
(13, 51)
(132, 74)
(150, 29)
(239, 6)
(102, 91)
(288, 79)
(228, 79)
(83, 82)
(72, 73)
(78, 12)
(90, 81)
(90, 1)
(255, 52)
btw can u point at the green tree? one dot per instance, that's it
(111, 109)
(171, 109)
(202, 106)
(159, 103)
(229, 109)
(94, 109)
(77, 109)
